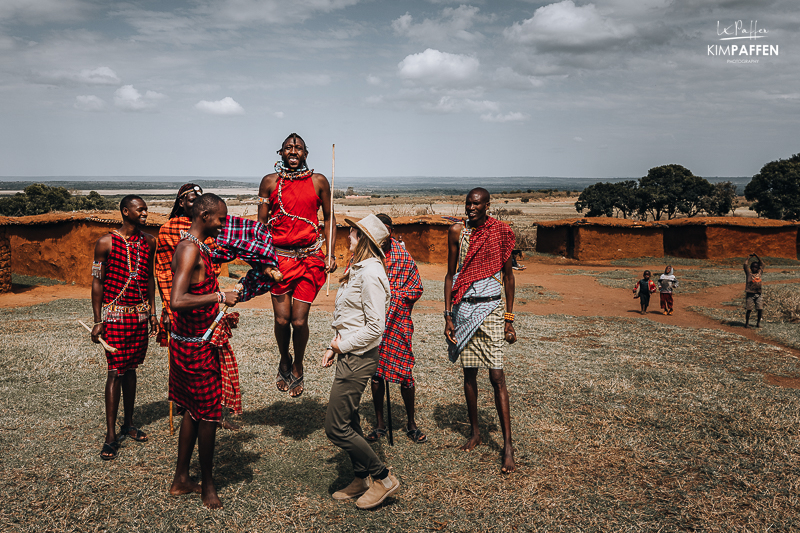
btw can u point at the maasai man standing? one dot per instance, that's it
(288, 203)
(195, 384)
(123, 302)
(396, 357)
(169, 235)
(478, 253)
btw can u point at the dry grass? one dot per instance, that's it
(619, 425)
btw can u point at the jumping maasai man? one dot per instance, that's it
(288, 203)
(478, 253)
(168, 237)
(123, 302)
(195, 384)
(396, 357)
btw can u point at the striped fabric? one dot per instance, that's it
(126, 332)
(396, 355)
(485, 346)
(195, 381)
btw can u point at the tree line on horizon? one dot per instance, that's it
(39, 198)
(672, 190)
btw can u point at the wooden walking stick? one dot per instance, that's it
(389, 413)
(169, 369)
(333, 224)
(105, 345)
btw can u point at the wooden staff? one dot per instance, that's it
(333, 223)
(389, 413)
(169, 369)
(105, 345)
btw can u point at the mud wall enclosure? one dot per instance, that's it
(5, 262)
(596, 239)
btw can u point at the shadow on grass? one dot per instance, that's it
(233, 464)
(146, 414)
(453, 416)
(298, 419)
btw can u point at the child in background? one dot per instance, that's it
(642, 290)
(666, 283)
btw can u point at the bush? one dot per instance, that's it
(39, 198)
(775, 191)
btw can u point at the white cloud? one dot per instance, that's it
(435, 67)
(40, 11)
(514, 116)
(253, 12)
(89, 103)
(278, 114)
(96, 76)
(452, 24)
(129, 99)
(578, 139)
(226, 106)
(373, 80)
(450, 104)
(565, 26)
(508, 78)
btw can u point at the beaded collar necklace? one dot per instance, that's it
(189, 237)
(287, 174)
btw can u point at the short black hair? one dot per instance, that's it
(481, 191)
(386, 219)
(127, 200)
(206, 203)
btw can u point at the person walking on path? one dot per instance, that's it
(396, 356)
(288, 202)
(666, 284)
(195, 382)
(123, 302)
(359, 318)
(753, 272)
(644, 287)
(478, 254)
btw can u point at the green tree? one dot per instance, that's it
(694, 190)
(775, 191)
(720, 202)
(601, 199)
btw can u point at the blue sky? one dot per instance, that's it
(420, 88)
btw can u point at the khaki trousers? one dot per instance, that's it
(342, 424)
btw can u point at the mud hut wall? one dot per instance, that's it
(686, 241)
(609, 242)
(552, 240)
(5, 262)
(741, 241)
(426, 243)
(62, 250)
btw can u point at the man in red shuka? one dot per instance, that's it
(289, 200)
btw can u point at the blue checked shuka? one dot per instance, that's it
(250, 241)
(396, 355)
(470, 316)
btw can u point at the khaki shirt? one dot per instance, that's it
(359, 316)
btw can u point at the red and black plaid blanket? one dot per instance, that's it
(250, 241)
(490, 246)
(126, 332)
(195, 380)
(396, 355)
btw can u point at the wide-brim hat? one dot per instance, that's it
(373, 228)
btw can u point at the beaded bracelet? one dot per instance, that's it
(508, 317)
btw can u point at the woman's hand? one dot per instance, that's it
(335, 343)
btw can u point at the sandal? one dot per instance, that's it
(285, 378)
(140, 435)
(416, 435)
(296, 382)
(109, 451)
(375, 435)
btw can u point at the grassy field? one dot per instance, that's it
(619, 425)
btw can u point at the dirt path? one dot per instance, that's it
(578, 296)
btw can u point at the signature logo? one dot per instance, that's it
(737, 30)
(741, 31)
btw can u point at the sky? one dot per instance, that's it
(210, 88)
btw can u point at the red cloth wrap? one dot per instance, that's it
(128, 335)
(300, 199)
(490, 246)
(195, 381)
(396, 356)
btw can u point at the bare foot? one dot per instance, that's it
(210, 498)
(508, 462)
(471, 443)
(230, 426)
(184, 487)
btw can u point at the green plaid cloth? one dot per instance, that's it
(485, 348)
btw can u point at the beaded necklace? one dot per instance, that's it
(111, 312)
(189, 237)
(284, 174)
